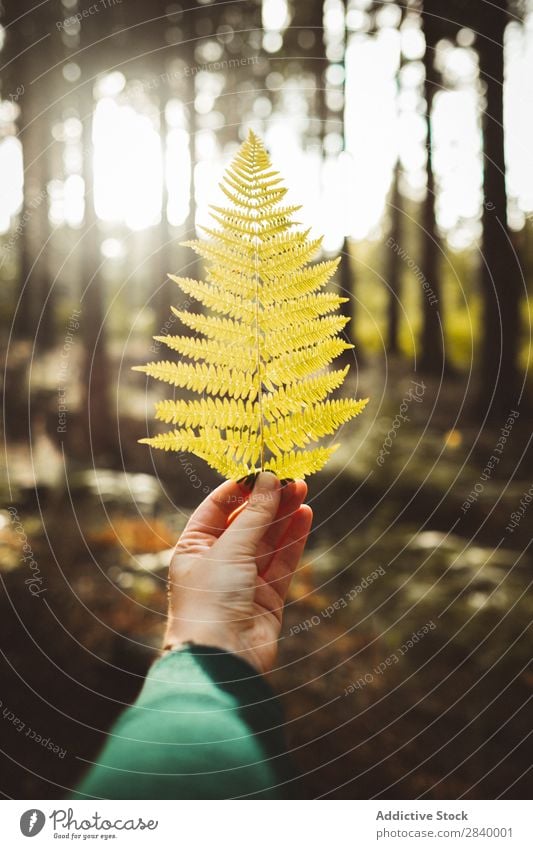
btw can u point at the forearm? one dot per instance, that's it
(205, 726)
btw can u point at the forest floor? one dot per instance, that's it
(370, 710)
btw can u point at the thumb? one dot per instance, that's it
(244, 534)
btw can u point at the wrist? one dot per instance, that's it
(219, 638)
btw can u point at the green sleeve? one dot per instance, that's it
(205, 726)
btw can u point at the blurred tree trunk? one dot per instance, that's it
(187, 258)
(34, 318)
(13, 76)
(163, 298)
(174, 258)
(500, 271)
(345, 273)
(170, 249)
(432, 344)
(96, 367)
(393, 266)
(24, 325)
(43, 298)
(348, 279)
(346, 286)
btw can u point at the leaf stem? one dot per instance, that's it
(258, 346)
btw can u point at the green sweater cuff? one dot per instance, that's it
(204, 726)
(222, 679)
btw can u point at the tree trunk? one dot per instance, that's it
(432, 341)
(500, 271)
(347, 275)
(96, 370)
(393, 265)
(30, 136)
(346, 287)
(34, 317)
(193, 266)
(163, 298)
(43, 295)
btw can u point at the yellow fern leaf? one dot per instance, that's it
(299, 464)
(299, 309)
(310, 425)
(278, 343)
(215, 412)
(234, 282)
(210, 351)
(296, 396)
(213, 327)
(291, 367)
(216, 380)
(299, 282)
(263, 360)
(236, 219)
(217, 300)
(230, 255)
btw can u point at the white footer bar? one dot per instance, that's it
(268, 825)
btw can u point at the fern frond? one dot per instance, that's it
(215, 412)
(224, 329)
(208, 448)
(278, 343)
(236, 446)
(231, 281)
(215, 299)
(299, 309)
(216, 380)
(271, 198)
(291, 398)
(298, 429)
(225, 255)
(287, 258)
(275, 228)
(211, 351)
(228, 217)
(263, 350)
(291, 367)
(299, 283)
(299, 464)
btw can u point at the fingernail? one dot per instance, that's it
(248, 481)
(268, 481)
